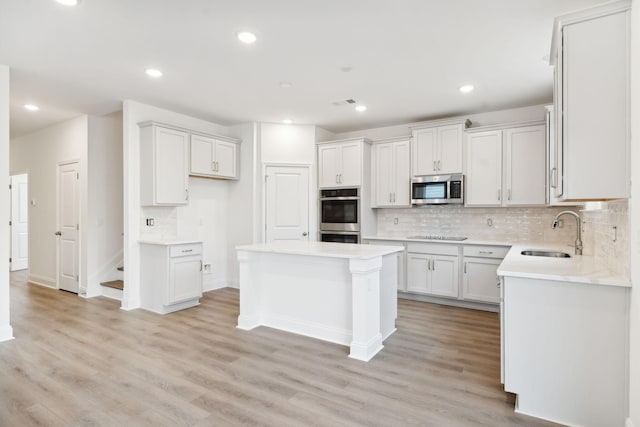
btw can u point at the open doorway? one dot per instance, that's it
(19, 222)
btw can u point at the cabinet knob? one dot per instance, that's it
(58, 233)
(304, 233)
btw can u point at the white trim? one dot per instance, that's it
(340, 141)
(444, 122)
(6, 333)
(189, 131)
(306, 328)
(47, 282)
(394, 139)
(506, 126)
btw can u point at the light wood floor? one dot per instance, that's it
(87, 363)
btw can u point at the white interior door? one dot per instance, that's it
(19, 222)
(287, 203)
(68, 225)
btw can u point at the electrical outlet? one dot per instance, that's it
(395, 221)
(489, 222)
(150, 222)
(207, 268)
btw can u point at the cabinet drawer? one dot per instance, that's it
(432, 248)
(185, 250)
(485, 251)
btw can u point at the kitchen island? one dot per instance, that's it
(341, 293)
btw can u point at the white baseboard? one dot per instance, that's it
(6, 333)
(130, 304)
(42, 281)
(629, 423)
(306, 328)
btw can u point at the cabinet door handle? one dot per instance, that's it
(213, 166)
(509, 194)
(499, 191)
(439, 164)
(465, 268)
(337, 182)
(554, 178)
(341, 181)
(394, 197)
(485, 252)
(200, 265)
(434, 166)
(186, 194)
(187, 250)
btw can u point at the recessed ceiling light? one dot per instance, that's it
(153, 72)
(68, 2)
(361, 108)
(247, 37)
(466, 88)
(31, 107)
(287, 121)
(285, 85)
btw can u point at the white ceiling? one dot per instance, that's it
(407, 58)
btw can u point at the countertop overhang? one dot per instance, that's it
(322, 249)
(578, 269)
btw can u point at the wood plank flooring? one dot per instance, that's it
(79, 362)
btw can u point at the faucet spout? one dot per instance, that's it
(578, 243)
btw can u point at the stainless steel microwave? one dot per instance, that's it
(437, 189)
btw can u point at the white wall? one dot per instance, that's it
(634, 357)
(105, 214)
(244, 213)
(6, 332)
(207, 197)
(38, 154)
(514, 115)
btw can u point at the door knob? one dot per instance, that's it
(304, 233)
(58, 233)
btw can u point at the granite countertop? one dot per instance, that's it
(457, 242)
(578, 269)
(322, 249)
(168, 242)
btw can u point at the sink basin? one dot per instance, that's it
(542, 252)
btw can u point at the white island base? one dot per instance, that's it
(341, 293)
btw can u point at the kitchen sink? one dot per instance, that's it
(542, 252)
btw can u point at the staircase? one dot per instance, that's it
(113, 288)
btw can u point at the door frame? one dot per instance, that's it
(80, 224)
(11, 175)
(312, 197)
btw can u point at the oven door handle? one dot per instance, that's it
(322, 199)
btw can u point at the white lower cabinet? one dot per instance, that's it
(171, 276)
(432, 269)
(479, 273)
(402, 284)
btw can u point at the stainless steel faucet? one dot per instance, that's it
(578, 243)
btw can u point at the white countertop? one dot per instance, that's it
(457, 242)
(577, 269)
(169, 242)
(322, 249)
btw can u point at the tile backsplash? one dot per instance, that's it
(496, 224)
(165, 223)
(520, 225)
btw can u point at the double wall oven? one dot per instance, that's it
(340, 215)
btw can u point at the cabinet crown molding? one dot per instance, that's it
(189, 131)
(505, 126)
(394, 139)
(444, 122)
(335, 141)
(592, 12)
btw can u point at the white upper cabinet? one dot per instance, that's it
(390, 173)
(484, 168)
(163, 166)
(213, 157)
(506, 166)
(437, 147)
(590, 51)
(340, 163)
